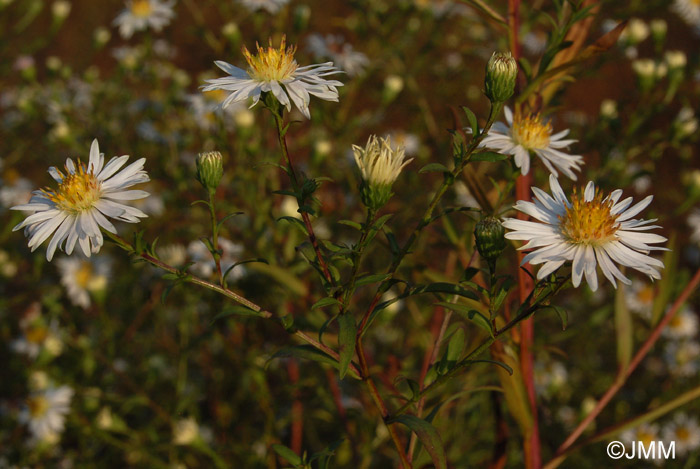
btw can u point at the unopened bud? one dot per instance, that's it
(210, 168)
(489, 236)
(380, 164)
(501, 72)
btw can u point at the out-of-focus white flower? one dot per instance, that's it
(142, 14)
(38, 380)
(635, 32)
(525, 134)
(658, 27)
(694, 223)
(682, 358)
(81, 275)
(77, 209)
(276, 71)
(173, 254)
(342, 53)
(8, 268)
(639, 298)
(590, 231)
(104, 419)
(410, 142)
(60, 9)
(208, 113)
(550, 376)
(675, 59)
(688, 10)
(393, 84)
(271, 6)
(608, 109)
(645, 433)
(684, 431)
(204, 264)
(46, 413)
(186, 431)
(684, 325)
(535, 42)
(685, 123)
(36, 336)
(14, 189)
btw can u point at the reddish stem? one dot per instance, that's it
(636, 360)
(297, 409)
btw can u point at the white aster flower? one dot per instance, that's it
(340, 52)
(272, 6)
(80, 276)
(141, 14)
(276, 71)
(77, 209)
(525, 134)
(589, 230)
(550, 376)
(682, 358)
(46, 413)
(685, 432)
(688, 10)
(684, 325)
(14, 189)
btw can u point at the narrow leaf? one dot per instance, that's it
(288, 454)
(346, 341)
(428, 435)
(325, 302)
(434, 167)
(488, 156)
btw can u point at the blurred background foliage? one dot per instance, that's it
(144, 368)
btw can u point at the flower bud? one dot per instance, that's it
(489, 236)
(658, 29)
(501, 72)
(380, 165)
(209, 169)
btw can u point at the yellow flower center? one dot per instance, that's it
(272, 64)
(36, 334)
(645, 437)
(682, 433)
(11, 176)
(38, 406)
(646, 296)
(216, 96)
(588, 222)
(141, 8)
(531, 132)
(78, 192)
(83, 274)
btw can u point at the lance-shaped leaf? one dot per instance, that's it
(428, 435)
(346, 341)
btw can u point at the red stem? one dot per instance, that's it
(636, 360)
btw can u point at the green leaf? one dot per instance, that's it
(434, 167)
(470, 314)
(488, 156)
(471, 117)
(496, 362)
(444, 287)
(326, 302)
(309, 352)
(346, 341)
(374, 278)
(455, 346)
(238, 310)
(296, 222)
(230, 215)
(352, 224)
(288, 454)
(428, 435)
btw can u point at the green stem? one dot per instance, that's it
(470, 358)
(281, 135)
(427, 216)
(357, 257)
(189, 278)
(215, 238)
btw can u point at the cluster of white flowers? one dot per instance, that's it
(682, 430)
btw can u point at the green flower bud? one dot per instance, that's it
(209, 169)
(501, 72)
(489, 235)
